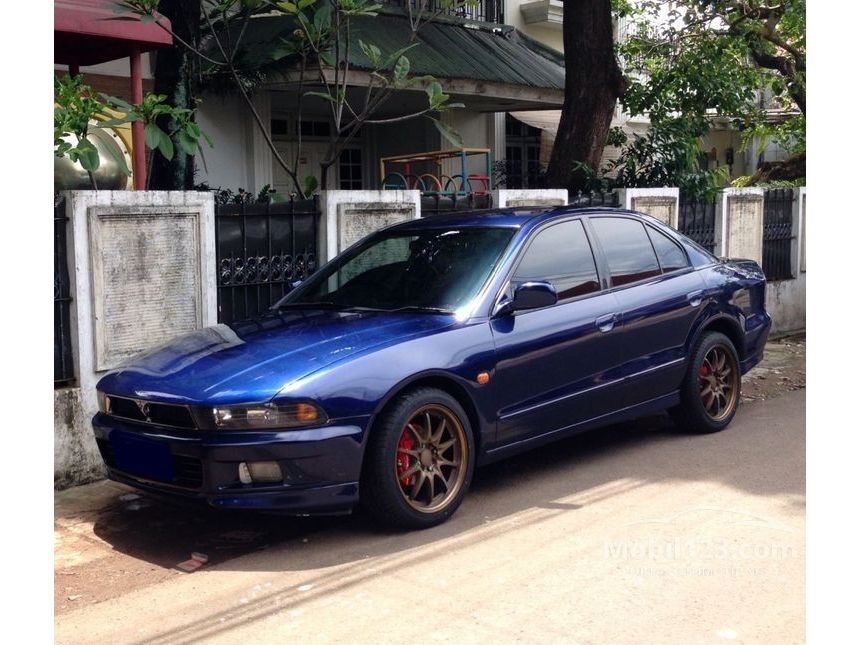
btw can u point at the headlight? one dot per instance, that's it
(268, 415)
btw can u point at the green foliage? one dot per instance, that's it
(688, 61)
(311, 185)
(182, 127)
(76, 105)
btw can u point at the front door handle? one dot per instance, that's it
(695, 297)
(606, 323)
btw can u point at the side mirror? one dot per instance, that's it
(533, 295)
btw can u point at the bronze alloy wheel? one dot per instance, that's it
(431, 459)
(719, 383)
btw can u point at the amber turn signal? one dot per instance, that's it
(306, 412)
(482, 377)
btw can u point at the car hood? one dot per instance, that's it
(252, 361)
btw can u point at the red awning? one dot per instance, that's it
(85, 34)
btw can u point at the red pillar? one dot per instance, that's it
(138, 159)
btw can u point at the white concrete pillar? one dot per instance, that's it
(349, 215)
(661, 203)
(740, 223)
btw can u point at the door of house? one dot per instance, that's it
(313, 152)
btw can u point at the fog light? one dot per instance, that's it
(260, 472)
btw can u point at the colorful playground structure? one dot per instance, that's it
(412, 172)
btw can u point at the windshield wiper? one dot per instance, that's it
(323, 305)
(420, 309)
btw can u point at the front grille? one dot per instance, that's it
(189, 471)
(150, 412)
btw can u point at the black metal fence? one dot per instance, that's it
(697, 219)
(776, 250)
(481, 11)
(436, 204)
(595, 199)
(261, 250)
(64, 369)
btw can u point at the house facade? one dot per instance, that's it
(500, 58)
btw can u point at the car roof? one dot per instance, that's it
(507, 217)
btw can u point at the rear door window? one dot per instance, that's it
(627, 248)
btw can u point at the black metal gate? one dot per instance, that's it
(64, 369)
(436, 204)
(593, 198)
(261, 250)
(697, 219)
(776, 247)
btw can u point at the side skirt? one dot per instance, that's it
(625, 414)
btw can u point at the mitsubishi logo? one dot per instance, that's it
(143, 406)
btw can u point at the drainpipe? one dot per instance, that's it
(138, 160)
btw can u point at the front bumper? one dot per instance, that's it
(321, 466)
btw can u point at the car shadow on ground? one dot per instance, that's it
(586, 467)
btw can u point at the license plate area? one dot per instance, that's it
(142, 456)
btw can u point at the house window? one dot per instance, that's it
(350, 169)
(316, 128)
(522, 154)
(280, 127)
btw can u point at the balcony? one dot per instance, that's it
(483, 11)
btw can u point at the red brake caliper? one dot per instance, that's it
(404, 461)
(703, 370)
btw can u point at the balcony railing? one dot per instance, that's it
(482, 11)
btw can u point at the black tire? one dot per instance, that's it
(692, 415)
(383, 494)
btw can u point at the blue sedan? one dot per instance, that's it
(433, 347)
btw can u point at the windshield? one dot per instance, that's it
(432, 269)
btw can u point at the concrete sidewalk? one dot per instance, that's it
(627, 535)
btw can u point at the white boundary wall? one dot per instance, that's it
(511, 198)
(142, 270)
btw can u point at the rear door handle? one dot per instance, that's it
(695, 297)
(606, 323)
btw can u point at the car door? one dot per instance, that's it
(659, 295)
(554, 364)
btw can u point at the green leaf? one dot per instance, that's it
(119, 158)
(311, 185)
(288, 7)
(322, 16)
(433, 90)
(87, 155)
(322, 95)
(371, 52)
(392, 58)
(192, 129)
(187, 143)
(401, 69)
(448, 132)
(165, 145)
(112, 123)
(305, 3)
(152, 135)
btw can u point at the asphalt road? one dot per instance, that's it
(634, 534)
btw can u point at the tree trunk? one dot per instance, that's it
(593, 84)
(175, 77)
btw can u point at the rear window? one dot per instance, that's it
(669, 253)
